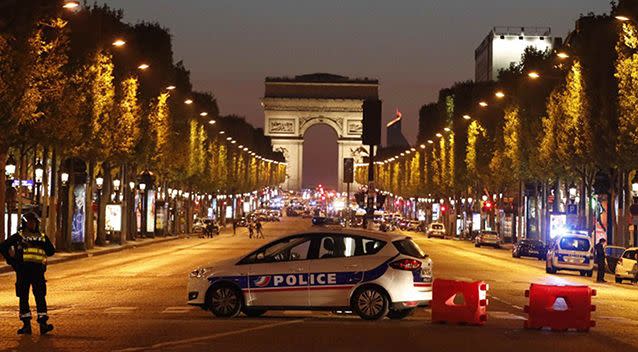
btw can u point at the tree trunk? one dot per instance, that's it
(89, 239)
(105, 195)
(3, 192)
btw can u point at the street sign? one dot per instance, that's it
(348, 170)
(572, 209)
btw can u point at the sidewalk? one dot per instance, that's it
(61, 257)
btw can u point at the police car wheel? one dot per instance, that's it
(400, 314)
(225, 301)
(370, 303)
(253, 312)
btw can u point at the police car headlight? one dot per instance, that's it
(198, 273)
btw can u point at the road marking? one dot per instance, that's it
(120, 310)
(209, 337)
(505, 316)
(177, 310)
(618, 320)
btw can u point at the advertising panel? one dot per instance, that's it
(79, 214)
(113, 220)
(150, 212)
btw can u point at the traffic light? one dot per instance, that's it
(348, 170)
(443, 209)
(487, 206)
(372, 122)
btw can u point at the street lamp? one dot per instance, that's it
(562, 55)
(10, 167)
(483, 104)
(467, 117)
(39, 174)
(622, 18)
(143, 67)
(116, 184)
(170, 88)
(534, 75)
(131, 185)
(64, 178)
(188, 101)
(484, 197)
(634, 185)
(71, 5)
(119, 43)
(572, 191)
(99, 180)
(39, 171)
(500, 94)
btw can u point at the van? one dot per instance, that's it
(573, 252)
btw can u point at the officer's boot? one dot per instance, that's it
(44, 326)
(26, 327)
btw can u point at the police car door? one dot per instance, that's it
(279, 278)
(337, 269)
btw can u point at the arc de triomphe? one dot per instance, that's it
(293, 105)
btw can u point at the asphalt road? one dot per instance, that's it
(135, 300)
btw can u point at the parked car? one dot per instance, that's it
(614, 253)
(487, 238)
(571, 251)
(198, 225)
(627, 265)
(436, 229)
(530, 248)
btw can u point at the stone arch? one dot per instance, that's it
(307, 123)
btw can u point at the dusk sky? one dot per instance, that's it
(414, 47)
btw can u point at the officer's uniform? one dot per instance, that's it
(30, 263)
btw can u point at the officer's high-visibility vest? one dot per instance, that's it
(33, 249)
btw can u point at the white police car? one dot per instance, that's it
(374, 274)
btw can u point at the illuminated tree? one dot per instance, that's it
(627, 76)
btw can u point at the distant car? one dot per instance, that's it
(487, 238)
(413, 225)
(614, 253)
(325, 221)
(530, 248)
(436, 229)
(627, 267)
(571, 251)
(371, 273)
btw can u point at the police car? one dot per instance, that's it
(373, 274)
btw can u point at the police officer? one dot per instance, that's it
(601, 259)
(27, 252)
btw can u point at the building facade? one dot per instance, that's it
(505, 46)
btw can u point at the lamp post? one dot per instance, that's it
(99, 182)
(39, 174)
(116, 188)
(9, 169)
(634, 207)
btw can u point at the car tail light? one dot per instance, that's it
(406, 264)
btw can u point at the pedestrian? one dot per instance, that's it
(250, 230)
(600, 258)
(258, 226)
(27, 252)
(234, 227)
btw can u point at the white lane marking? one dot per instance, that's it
(209, 337)
(618, 320)
(177, 310)
(120, 310)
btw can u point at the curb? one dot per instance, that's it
(81, 255)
